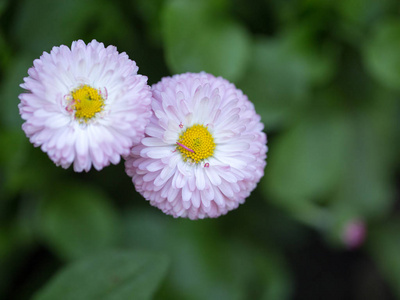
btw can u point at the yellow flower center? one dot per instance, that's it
(196, 144)
(87, 102)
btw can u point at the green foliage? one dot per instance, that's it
(384, 247)
(230, 267)
(324, 77)
(199, 36)
(109, 276)
(78, 221)
(64, 21)
(304, 159)
(381, 55)
(290, 57)
(13, 77)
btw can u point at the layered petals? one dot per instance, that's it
(206, 185)
(92, 133)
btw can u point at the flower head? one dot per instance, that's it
(85, 105)
(204, 149)
(354, 233)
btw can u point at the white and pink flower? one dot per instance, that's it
(204, 149)
(85, 105)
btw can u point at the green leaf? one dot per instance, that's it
(117, 275)
(334, 166)
(13, 152)
(13, 76)
(19, 165)
(305, 162)
(364, 13)
(199, 37)
(281, 74)
(381, 54)
(66, 21)
(78, 220)
(150, 11)
(5, 52)
(366, 190)
(13, 250)
(384, 248)
(230, 267)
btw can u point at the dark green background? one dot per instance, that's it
(325, 77)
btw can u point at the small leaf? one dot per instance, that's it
(150, 12)
(384, 247)
(109, 276)
(366, 190)
(76, 221)
(229, 268)
(364, 12)
(305, 161)
(281, 73)
(65, 21)
(13, 76)
(13, 152)
(381, 53)
(199, 37)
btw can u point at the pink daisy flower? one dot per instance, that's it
(204, 149)
(85, 105)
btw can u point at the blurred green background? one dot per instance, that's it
(324, 221)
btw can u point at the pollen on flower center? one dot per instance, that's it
(86, 102)
(196, 144)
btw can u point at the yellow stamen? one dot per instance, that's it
(87, 102)
(196, 144)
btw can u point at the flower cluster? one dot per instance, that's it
(193, 143)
